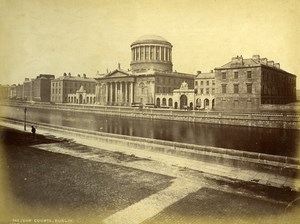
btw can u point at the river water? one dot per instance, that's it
(264, 140)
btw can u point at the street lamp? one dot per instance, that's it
(25, 110)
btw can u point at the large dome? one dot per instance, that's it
(151, 39)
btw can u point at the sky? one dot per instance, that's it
(86, 36)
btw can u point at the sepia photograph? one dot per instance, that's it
(149, 112)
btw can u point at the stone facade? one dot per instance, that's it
(82, 97)
(68, 84)
(205, 90)
(243, 84)
(41, 87)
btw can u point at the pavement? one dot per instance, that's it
(189, 176)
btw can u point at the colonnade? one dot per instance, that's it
(151, 52)
(118, 93)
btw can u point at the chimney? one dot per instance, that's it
(65, 74)
(277, 65)
(270, 63)
(119, 66)
(84, 75)
(26, 79)
(256, 57)
(69, 74)
(264, 61)
(198, 72)
(78, 75)
(211, 71)
(238, 60)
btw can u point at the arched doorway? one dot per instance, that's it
(176, 105)
(191, 105)
(198, 103)
(158, 102)
(164, 102)
(206, 103)
(213, 103)
(170, 102)
(183, 102)
(80, 99)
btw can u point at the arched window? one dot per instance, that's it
(164, 101)
(170, 102)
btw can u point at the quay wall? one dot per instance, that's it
(266, 120)
(282, 165)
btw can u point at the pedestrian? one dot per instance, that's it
(33, 129)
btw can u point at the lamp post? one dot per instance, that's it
(25, 110)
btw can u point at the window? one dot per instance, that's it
(213, 82)
(224, 88)
(223, 75)
(236, 88)
(201, 91)
(207, 82)
(201, 83)
(196, 83)
(249, 74)
(236, 75)
(207, 90)
(249, 88)
(213, 90)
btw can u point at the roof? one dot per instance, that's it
(246, 63)
(210, 75)
(151, 39)
(75, 78)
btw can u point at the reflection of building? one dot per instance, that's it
(41, 88)
(67, 84)
(205, 90)
(245, 84)
(81, 97)
(150, 75)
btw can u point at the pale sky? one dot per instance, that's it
(80, 36)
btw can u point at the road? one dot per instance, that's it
(45, 179)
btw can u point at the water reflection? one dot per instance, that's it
(272, 141)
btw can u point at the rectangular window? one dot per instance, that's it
(196, 83)
(236, 88)
(207, 90)
(213, 90)
(223, 75)
(224, 88)
(249, 74)
(249, 88)
(236, 75)
(207, 83)
(201, 91)
(201, 83)
(213, 82)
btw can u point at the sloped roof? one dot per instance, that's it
(246, 63)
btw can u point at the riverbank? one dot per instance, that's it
(265, 120)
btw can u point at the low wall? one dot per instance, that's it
(282, 165)
(267, 120)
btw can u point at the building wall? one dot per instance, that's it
(278, 87)
(27, 90)
(144, 90)
(19, 91)
(240, 98)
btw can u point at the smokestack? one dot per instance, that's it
(84, 75)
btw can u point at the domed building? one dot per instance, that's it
(151, 52)
(150, 80)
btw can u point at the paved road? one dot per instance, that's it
(52, 180)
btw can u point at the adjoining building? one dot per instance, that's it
(41, 88)
(68, 84)
(27, 90)
(5, 92)
(150, 75)
(205, 90)
(246, 84)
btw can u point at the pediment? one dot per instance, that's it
(117, 74)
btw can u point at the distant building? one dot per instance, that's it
(68, 84)
(13, 91)
(41, 88)
(245, 84)
(150, 76)
(4, 92)
(205, 90)
(82, 97)
(19, 92)
(27, 90)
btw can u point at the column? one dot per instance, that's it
(140, 54)
(116, 93)
(131, 92)
(111, 92)
(165, 54)
(126, 94)
(106, 92)
(121, 92)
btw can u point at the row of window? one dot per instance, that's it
(172, 81)
(202, 82)
(236, 88)
(75, 84)
(236, 75)
(201, 91)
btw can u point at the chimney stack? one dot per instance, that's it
(256, 57)
(277, 65)
(78, 75)
(198, 72)
(270, 63)
(84, 75)
(69, 74)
